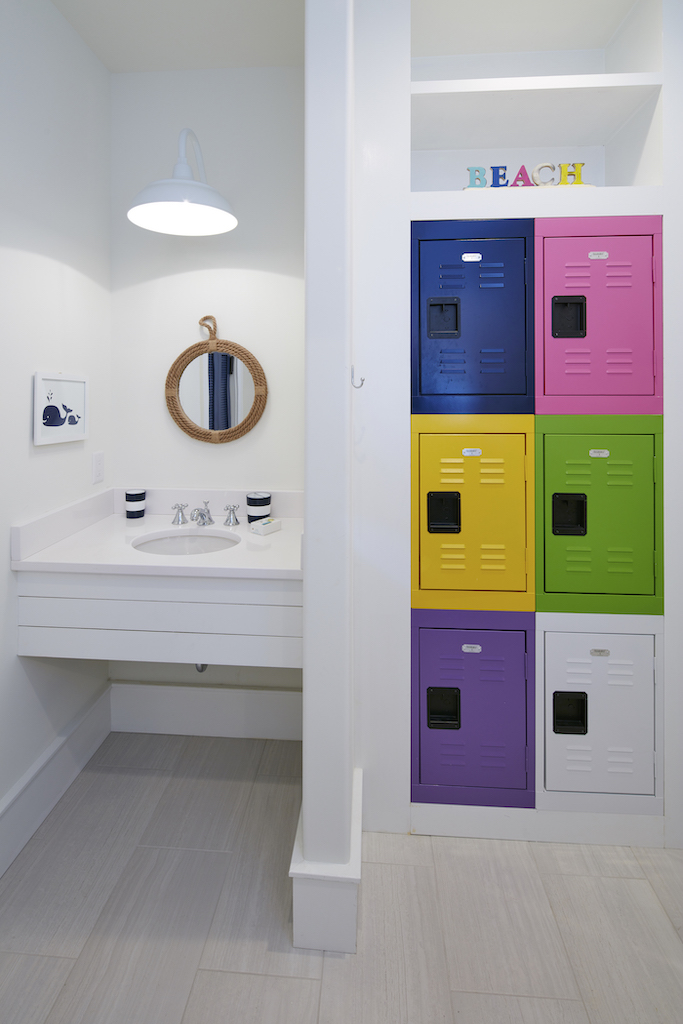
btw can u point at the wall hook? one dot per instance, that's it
(353, 383)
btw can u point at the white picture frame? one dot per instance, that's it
(60, 408)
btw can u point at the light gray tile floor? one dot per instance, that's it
(156, 892)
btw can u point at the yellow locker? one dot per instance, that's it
(473, 512)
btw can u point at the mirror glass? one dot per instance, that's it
(216, 391)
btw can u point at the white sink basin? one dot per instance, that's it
(191, 540)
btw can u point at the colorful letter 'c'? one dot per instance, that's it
(536, 174)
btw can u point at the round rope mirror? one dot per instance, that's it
(225, 395)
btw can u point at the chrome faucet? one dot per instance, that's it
(179, 519)
(198, 516)
(202, 516)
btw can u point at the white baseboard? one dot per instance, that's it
(32, 798)
(206, 711)
(325, 896)
(537, 826)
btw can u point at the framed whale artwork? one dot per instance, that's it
(60, 410)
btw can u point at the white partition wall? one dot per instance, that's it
(324, 887)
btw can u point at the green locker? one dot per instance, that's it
(599, 514)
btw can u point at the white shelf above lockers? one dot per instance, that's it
(580, 110)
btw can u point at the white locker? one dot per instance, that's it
(599, 713)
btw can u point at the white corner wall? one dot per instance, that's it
(54, 314)
(249, 122)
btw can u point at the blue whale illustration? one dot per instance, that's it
(53, 418)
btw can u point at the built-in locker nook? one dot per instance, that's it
(472, 316)
(599, 514)
(473, 509)
(473, 708)
(601, 720)
(599, 315)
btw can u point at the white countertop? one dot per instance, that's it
(105, 547)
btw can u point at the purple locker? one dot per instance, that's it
(472, 718)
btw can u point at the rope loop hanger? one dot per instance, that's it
(215, 344)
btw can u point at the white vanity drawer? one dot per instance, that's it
(161, 616)
(147, 645)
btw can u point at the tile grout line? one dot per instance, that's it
(222, 888)
(442, 932)
(561, 934)
(655, 893)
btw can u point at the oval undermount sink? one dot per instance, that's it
(196, 540)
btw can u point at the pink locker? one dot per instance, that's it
(598, 315)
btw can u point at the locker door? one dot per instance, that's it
(484, 742)
(615, 753)
(599, 514)
(478, 541)
(615, 355)
(472, 317)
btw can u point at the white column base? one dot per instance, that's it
(325, 896)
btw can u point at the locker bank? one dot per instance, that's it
(472, 316)
(599, 514)
(599, 315)
(473, 508)
(473, 708)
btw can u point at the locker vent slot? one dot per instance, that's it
(443, 317)
(493, 557)
(452, 755)
(443, 511)
(453, 556)
(443, 707)
(489, 756)
(570, 712)
(569, 316)
(569, 515)
(450, 361)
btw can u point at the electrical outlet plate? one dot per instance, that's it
(98, 467)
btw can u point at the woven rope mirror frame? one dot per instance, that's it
(215, 344)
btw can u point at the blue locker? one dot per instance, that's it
(472, 317)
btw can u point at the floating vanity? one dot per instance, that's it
(89, 586)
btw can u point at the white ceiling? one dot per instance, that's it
(504, 26)
(184, 35)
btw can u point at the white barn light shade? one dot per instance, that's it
(181, 205)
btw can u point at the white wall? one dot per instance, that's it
(54, 314)
(249, 122)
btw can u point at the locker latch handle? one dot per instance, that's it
(570, 713)
(569, 316)
(570, 515)
(443, 512)
(443, 707)
(443, 317)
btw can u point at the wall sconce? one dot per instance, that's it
(181, 205)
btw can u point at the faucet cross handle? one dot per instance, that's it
(232, 519)
(179, 519)
(209, 518)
